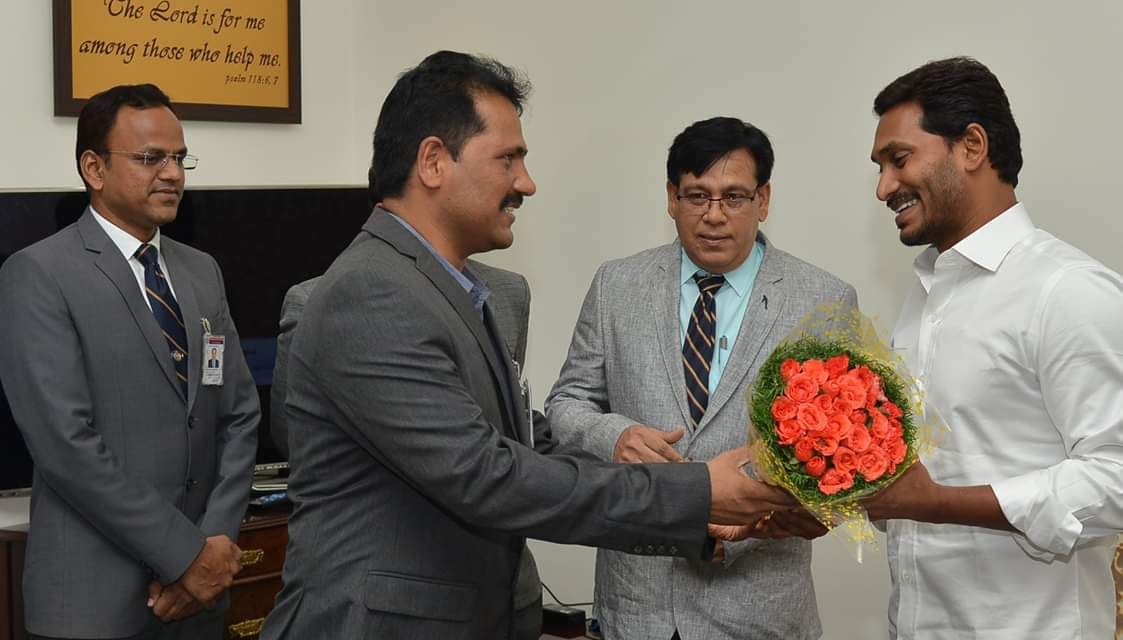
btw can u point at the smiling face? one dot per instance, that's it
(715, 239)
(135, 197)
(920, 179)
(488, 180)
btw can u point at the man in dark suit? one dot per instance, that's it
(509, 303)
(142, 464)
(416, 473)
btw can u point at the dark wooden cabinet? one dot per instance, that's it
(263, 539)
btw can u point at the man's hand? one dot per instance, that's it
(640, 443)
(172, 602)
(911, 496)
(772, 525)
(213, 570)
(736, 498)
(915, 496)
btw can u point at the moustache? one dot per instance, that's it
(899, 198)
(512, 200)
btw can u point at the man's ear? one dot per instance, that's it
(92, 167)
(976, 146)
(432, 159)
(763, 197)
(672, 199)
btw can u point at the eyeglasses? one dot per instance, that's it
(159, 159)
(731, 203)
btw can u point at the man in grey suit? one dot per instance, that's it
(509, 303)
(623, 393)
(142, 465)
(416, 473)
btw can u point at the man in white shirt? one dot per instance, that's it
(1007, 530)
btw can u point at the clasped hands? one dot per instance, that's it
(208, 576)
(736, 499)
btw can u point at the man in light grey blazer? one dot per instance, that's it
(623, 394)
(416, 472)
(509, 303)
(142, 466)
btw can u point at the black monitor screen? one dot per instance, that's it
(265, 241)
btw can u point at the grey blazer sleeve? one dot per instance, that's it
(45, 382)
(578, 407)
(237, 417)
(291, 310)
(428, 428)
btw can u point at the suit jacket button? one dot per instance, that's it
(638, 549)
(191, 482)
(662, 550)
(673, 549)
(190, 422)
(650, 549)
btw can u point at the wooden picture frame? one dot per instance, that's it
(169, 43)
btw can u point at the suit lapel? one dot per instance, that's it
(189, 306)
(111, 263)
(768, 300)
(665, 295)
(381, 225)
(507, 388)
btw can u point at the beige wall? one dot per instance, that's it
(615, 81)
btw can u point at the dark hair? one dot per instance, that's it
(435, 98)
(705, 142)
(954, 93)
(99, 114)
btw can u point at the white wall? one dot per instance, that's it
(614, 83)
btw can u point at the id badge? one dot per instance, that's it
(214, 347)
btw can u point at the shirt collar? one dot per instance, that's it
(466, 279)
(125, 243)
(739, 279)
(987, 247)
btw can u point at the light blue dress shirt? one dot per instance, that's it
(732, 301)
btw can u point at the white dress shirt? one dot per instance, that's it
(1017, 338)
(128, 246)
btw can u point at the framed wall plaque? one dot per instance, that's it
(234, 60)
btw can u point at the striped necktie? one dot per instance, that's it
(698, 348)
(166, 310)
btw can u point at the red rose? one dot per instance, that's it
(891, 410)
(816, 466)
(834, 481)
(858, 417)
(873, 463)
(838, 365)
(789, 431)
(831, 388)
(789, 368)
(816, 370)
(852, 391)
(811, 417)
(804, 449)
(897, 449)
(824, 402)
(783, 408)
(845, 460)
(838, 426)
(859, 439)
(895, 431)
(879, 428)
(802, 388)
(824, 445)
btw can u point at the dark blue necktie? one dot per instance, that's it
(698, 348)
(166, 310)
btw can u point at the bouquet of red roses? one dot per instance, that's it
(836, 421)
(831, 421)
